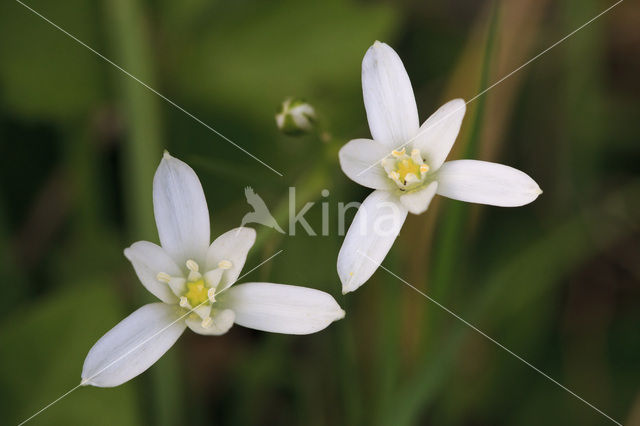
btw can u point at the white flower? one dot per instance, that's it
(405, 164)
(295, 117)
(193, 280)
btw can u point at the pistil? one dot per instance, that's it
(407, 171)
(198, 291)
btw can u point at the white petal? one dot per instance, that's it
(360, 161)
(417, 202)
(234, 246)
(281, 308)
(388, 96)
(368, 240)
(486, 183)
(222, 320)
(148, 260)
(133, 345)
(437, 135)
(181, 211)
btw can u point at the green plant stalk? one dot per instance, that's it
(452, 228)
(387, 350)
(548, 258)
(348, 369)
(308, 188)
(9, 271)
(142, 151)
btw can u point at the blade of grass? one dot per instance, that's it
(142, 150)
(547, 259)
(452, 226)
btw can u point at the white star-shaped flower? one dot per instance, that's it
(405, 164)
(194, 278)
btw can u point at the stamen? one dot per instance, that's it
(192, 265)
(394, 175)
(225, 264)
(416, 157)
(206, 323)
(397, 153)
(163, 277)
(211, 294)
(424, 169)
(212, 278)
(411, 178)
(177, 285)
(194, 276)
(184, 302)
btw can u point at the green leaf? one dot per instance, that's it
(44, 73)
(41, 357)
(251, 57)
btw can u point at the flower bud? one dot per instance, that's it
(295, 117)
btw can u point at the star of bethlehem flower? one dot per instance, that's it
(194, 282)
(405, 165)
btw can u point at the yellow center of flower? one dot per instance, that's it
(197, 292)
(407, 171)
(406, 166)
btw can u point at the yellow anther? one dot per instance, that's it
(394, 175)
(397, 153)
(415, 151)
(225, 264)
(192, 265)
(424, 168)
(163, 277)
(206, 323)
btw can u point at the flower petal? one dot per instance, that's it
(360, 161)
(133, 345)
(417, 202)
(388, 96)
(181, 212)
(148, 260)
(368, 240)
(234, 246)
(437, 135)
(280, 308)
(222, 320)
(486, 183)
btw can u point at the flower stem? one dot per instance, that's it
(141, 154)
(453, 226)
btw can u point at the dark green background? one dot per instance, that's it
(557, 281)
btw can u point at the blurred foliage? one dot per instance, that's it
(557, 281)
(42, 352)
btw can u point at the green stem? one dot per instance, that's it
(142, 150)
(452, 227)
(555, 253)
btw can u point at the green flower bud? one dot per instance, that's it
(295, 117)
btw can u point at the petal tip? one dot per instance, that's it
(348, 285)
(166, 155)
(127, 253)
